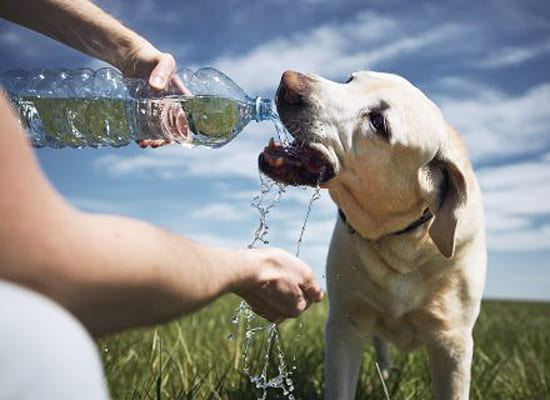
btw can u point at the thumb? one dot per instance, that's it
(163, 71)
(312, 290)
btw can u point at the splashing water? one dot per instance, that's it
(264, 202)
(270, 195)
(316, 196)
(282, 133)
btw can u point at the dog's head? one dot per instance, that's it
(380, 146)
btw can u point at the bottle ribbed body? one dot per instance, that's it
(79, 108)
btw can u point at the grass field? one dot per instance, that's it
(193, 359)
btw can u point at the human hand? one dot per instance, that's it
(280, 285)
(146, 62)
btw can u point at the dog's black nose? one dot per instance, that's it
(293, 88)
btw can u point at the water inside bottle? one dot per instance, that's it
(213, 118)
(75, 122)
(79, 122)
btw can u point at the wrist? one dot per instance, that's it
(226, 270)
(243, 265)
(126, 52)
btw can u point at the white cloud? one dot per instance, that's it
(516, 198)
(519, 189)
(495, 124)
(241, 195)
(95, 205)
(212, 239)
(27, 43)
(520, 199)
(11, 38)
(332, 50)
(498, 222)
(220, 212)
(118, 166)
(317, 230)
(510, 56)
(521, 239)
(526, 175)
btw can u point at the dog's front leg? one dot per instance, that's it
(344, 346)
(382, 351)
(450, 360)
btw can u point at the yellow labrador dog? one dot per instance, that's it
(407, 259)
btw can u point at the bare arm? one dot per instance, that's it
(114, 272)
(87, 28)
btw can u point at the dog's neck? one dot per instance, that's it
(394, 249)
(425, 217)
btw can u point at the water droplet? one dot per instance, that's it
(270, 195)
(231, 337)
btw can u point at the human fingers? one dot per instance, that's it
(306, 280)
(163, 71)
(180, 87)
(312, 290)
(153, 143)
(268, 312)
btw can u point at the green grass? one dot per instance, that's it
(193, 359)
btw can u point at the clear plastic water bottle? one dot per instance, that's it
(84, 107)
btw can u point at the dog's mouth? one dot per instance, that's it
(297, 164)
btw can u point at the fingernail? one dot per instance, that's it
(157, 82)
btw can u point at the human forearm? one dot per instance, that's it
(128, 273)
(136, 274)
(115, 273)
(79, 24)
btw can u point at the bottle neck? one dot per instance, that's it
(264, 109)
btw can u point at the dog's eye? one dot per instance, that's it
(378, 122)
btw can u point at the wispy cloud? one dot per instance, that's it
(11, 38)
(515, 197)
(333, 50)
(220, 212)
(231, 242)
(495, 124)
(522, 239)
(509, 56)
(96, 205)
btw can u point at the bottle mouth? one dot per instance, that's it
(264, 109)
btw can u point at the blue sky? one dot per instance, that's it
(487, 65)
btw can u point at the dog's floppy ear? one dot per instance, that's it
(452, 193)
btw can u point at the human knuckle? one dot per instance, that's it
(169, 57)
(296, 312)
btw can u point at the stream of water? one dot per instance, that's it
(245, 319)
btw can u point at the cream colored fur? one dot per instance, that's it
(419, 288)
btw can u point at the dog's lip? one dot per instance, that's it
(296, 164)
